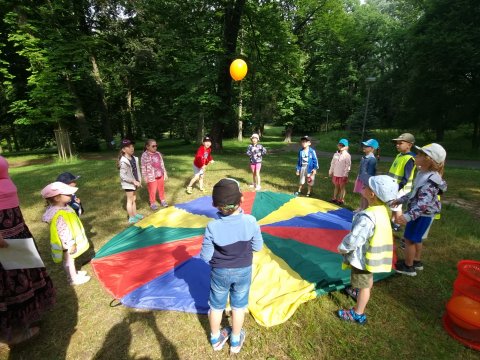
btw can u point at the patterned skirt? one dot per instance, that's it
(25, 294)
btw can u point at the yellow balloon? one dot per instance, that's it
(238, 69)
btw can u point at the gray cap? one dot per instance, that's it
(384, 186)
(406, 137)
(434, 151)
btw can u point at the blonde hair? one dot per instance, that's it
(120, 154)
(434, 166)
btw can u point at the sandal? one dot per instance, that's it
(25, 335)
(352, 316)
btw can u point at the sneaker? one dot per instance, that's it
(81, 273)
(341, 202)
(402, 268)
(351, 315)
(218, 343)
(139, 216)
(202, 189)
(308, 195)
(258, 188)
(189, 190)
(333, 201)
(164, 203)
(417, 265)
(154, 207)
(352, 292)
(296, 193)
(79, 280)
(235, 347)
(133, 220)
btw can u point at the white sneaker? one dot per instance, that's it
(81, 273)
(79, 280)
(258, 188)
(251, 185)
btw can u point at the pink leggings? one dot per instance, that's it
(152, 190)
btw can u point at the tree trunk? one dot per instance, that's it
(240, 116)
(200, 127)
(129, 124)
(231, 27)
(107, 128)
(476, 133)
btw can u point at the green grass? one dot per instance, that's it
(404, 313)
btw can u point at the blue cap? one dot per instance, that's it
(344, 142)
(371, 142)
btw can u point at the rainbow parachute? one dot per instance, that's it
(155, 264)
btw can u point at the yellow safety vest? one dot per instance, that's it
(78, 232)
(397, 170)
(379, 254)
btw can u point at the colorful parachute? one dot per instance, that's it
(155, 264)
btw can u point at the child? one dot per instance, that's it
(154, 173)
(227, 246)
(368, 167)
(402, 170)
(67, 236)
(339, 169)
(368, 248)
(307, 165)
(130, 178)
(71, 180)
(203, 157)
(256, 151)
(423, 204)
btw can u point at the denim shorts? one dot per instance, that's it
(234, 281)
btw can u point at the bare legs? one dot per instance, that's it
(131, 203)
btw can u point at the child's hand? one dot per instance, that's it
(330, 174)
(3, 243)
(212, 161)
(394, 203)
(165, 176)
(77, 200)
(314, 172)
(137, 183)
(401, 220)
(73, 249)
(298, 173)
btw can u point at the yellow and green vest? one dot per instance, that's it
(397, 170)
(379, 254)
(78, 232)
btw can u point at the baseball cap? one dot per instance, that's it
(207, 138)
(226, 192)
(384, 186)
(305, 138)
(254, 136)
(57, 188)
(344, 142)
(406, 137)
(67, 178)
(372, 143)
(126, 142)
(434, 151)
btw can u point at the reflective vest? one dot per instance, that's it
(76, 229)
(379, 254)
(397, 170)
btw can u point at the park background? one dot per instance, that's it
(78, 76)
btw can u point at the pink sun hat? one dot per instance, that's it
(58, 188)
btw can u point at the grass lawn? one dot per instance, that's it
(404, 314)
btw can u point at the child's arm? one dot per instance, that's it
(332, 164)
(407, 171)
(207, 246)
(362, 230)
(257, 239)
(3, 243)
(315, 162)
(249, 150)
(264, 150)
(162, 165)
(65, 235)
(144, 165)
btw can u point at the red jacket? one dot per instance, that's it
(202, 157)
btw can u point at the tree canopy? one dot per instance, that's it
(107, 68)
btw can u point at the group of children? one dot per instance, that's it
(231, 238)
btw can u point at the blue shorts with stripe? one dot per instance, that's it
(416, 229)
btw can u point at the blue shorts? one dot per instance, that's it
(416, 229)
(224, 281)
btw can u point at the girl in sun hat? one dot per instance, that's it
(423, 203)
(339, 169)
(67, 235)
(368, 167)
(256, 151)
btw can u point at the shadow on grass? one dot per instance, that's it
(119, 338)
